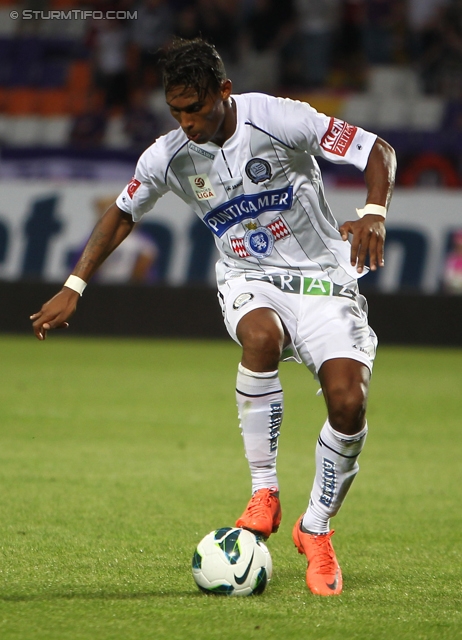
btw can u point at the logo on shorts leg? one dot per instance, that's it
(242, 299)
(369, 351)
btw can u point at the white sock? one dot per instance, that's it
(260, 407)
(336, 468)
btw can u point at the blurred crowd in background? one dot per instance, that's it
(81, 97)
(386, 64)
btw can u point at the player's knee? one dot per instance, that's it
(262, 348)
(261, 335)
(347, 408)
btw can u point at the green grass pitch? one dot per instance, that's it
(118, 456)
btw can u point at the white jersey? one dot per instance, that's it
(261, 193)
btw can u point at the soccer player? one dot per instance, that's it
(287, 277)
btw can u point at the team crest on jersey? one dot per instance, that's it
(259, 241)
(202, 187)
(258, 170)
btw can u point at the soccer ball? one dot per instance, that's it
(232, 562)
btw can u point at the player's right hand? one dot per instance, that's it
(55, 313)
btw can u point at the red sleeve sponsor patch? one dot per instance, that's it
(338, 137)
(132, 187)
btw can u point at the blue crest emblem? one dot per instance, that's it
(258, 170)
(259, 242)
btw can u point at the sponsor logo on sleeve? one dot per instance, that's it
(202, 187)
(133, 186)
(338, 137)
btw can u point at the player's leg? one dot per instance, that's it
(262, 320)
(259, 399)
(338, 345)
(345, 385)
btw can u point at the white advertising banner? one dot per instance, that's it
(44, 225)
(420, 226)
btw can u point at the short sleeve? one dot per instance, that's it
(144, 189)
(325, 136)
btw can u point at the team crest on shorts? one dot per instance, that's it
(258, 170)
(241, 300)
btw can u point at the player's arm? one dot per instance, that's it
(112, 228)
(369, 231)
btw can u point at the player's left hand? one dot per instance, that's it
(368, 238)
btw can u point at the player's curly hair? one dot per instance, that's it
(192, 64)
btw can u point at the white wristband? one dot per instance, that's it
(375, 209)
(76, 284)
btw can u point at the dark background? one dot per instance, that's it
(194, 312)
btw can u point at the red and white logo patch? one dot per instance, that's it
(132, 186)
(237, 245)
(338, 137)
(278, 228)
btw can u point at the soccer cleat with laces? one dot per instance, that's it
(323, 576)
(263, 513)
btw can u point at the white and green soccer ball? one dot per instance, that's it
(232, 562)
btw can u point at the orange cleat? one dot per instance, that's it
(323, 576)
(263, 513)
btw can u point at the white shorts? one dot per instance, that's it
(323, 320)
